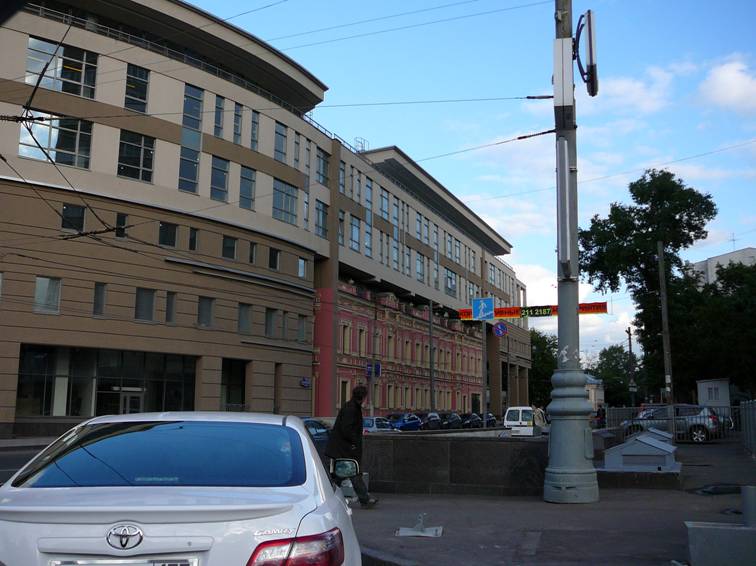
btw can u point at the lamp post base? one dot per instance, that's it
(565, 486)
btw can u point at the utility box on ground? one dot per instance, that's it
(642, 453)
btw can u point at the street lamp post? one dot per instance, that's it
(570, 476)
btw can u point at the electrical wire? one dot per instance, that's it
(477, 147)
(370, 20)
(417, 25)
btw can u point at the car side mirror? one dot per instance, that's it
(345, 468)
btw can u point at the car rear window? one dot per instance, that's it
(170, 453)
(513, 415)
(527, 415)
(381, 423)
(367, 422)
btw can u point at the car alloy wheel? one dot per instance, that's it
(698, 435)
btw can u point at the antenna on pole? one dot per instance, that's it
(589, 74)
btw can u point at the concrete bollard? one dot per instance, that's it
(748, 493)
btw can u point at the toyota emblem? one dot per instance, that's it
(125, 537)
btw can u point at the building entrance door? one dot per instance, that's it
(132, 403)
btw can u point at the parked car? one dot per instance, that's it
(490, 420)
(180, 488)
(377, 424)
(319, 432)
(405, 421)
(519, 420)
(432, 421)
(471, 420)
(450, 420)
(692, 422)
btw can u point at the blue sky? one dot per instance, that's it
(677, 79)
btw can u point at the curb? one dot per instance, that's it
(372, 557)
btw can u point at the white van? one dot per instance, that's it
(520, 421)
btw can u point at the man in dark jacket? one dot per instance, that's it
(346, 440)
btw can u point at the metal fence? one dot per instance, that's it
(748, 423)
(694, 423)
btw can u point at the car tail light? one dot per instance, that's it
(325, 549)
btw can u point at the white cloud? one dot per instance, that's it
(629, 95)
(732, 86)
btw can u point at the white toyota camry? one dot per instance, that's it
(178, 489)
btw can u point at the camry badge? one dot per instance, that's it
(125, 537)
(268, 532)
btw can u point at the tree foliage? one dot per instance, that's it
(544, 362)
(613, 367)
(622, 248)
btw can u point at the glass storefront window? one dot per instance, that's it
(88, 382)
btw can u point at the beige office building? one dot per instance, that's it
(194, 243)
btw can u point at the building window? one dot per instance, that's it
(47, 295)
(144, 304)
(457, 256)
(307, 163)
(369, 199)
(274, 258)
(270, 322)
(285, 325)
(71, 69)
(73, 217)
(98, 303)
(280, 148)
(137, 80)
(419, 226)
(297, 144)
(244, 325)
(354, 234)
(255, 135)
(247, 188)
(121, 220)
(321, 175)
(167, 234)
(205, 312)
(191, 138)
(384, 204)
(302, 268)
(193, 239)
(67, 141)
(218, 126)
(306, 210)
(321, 219)
(219, 180)
(395, 212)
(252, 252)
(237, 122)
(368, 241)
(284, 202)
(301, 328)
(342, 177)
(135, 156)
(229, 247)
(170, 307)
(395, 253)
(426, 230)
(420, 267)
(341, 228)
(451, 283)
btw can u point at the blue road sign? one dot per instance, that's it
(500, 329)
(483, 309)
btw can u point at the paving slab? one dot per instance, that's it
(628, 526)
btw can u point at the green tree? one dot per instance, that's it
(543, 359)
(613, 368)
(622, 248)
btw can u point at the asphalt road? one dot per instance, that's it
(12, 460)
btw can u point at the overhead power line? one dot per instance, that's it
(417, 25)
(370, 20)
(14, 118)
(477, 147)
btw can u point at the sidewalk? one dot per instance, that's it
(633, 527)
